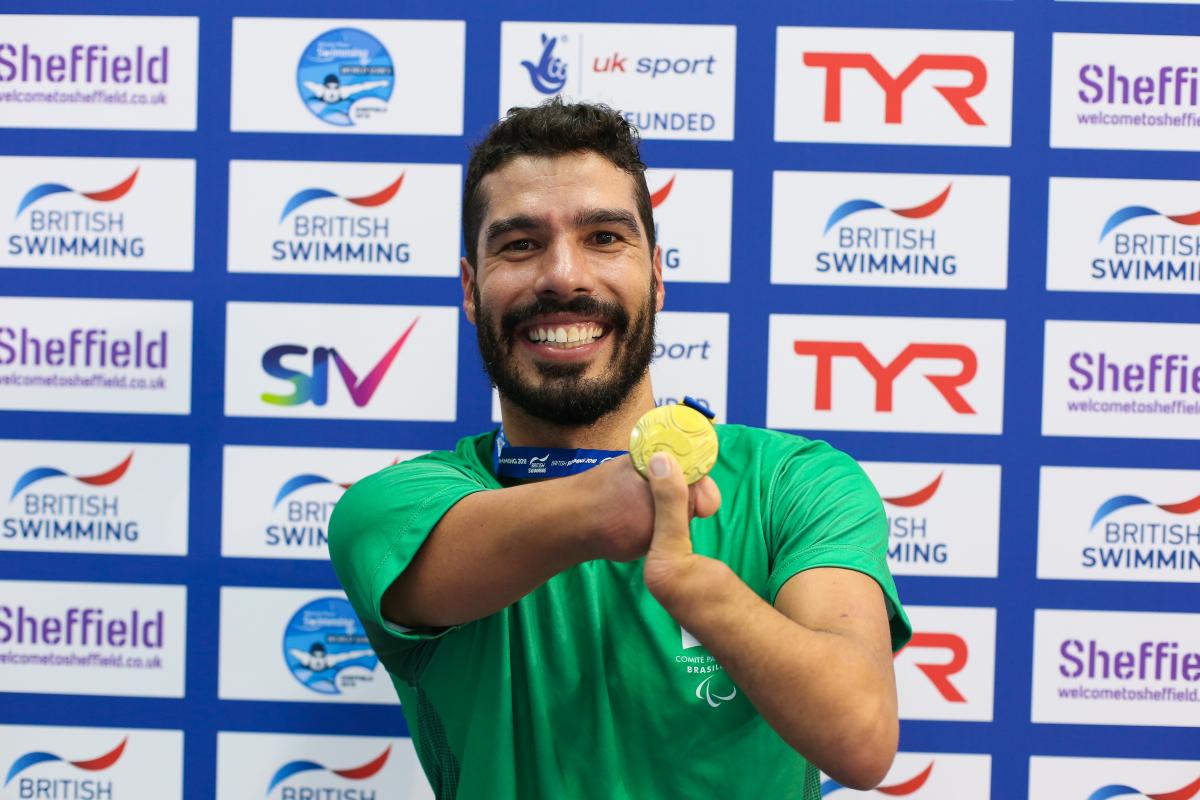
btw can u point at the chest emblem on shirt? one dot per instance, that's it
(715, 687)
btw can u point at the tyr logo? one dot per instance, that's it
(894, 87)
(939, 674)
(885, 375)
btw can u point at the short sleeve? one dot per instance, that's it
(823, 511)
(379, 525)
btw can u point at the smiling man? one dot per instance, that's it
(577, 630)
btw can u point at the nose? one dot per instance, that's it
(565, 270)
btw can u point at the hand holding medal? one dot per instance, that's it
(685, 430)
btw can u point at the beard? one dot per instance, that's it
(563, 396)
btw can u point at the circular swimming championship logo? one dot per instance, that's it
(345, 77)
(326, 648)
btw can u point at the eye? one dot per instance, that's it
(606, 237)
(520, 245)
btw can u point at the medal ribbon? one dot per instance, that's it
(555, 462)
(544, 462)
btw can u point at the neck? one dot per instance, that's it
(610, 432)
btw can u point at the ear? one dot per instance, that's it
(467, 275)
(660, 290)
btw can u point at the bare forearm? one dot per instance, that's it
(489, 550)
(825, 694)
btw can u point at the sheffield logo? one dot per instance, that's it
(1121, 790)
(345, 76)
(358, 773)
(885, 375)
(901, 789)
(97, 764)
(894, 86)
(549, 74)
(1123, 215)
(373, 200)
(105, 478)
(939, 673)
(108, 195)
(315, 387)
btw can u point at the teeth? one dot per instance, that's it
(566, 336)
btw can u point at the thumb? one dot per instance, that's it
(672, 535)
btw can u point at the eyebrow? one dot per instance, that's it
(584, 219)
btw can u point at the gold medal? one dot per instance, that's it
(679, 430)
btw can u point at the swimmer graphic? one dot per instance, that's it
(318, 660)
(333, 92)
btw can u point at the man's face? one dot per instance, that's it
(565, 292)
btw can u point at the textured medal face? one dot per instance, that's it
(679, 430)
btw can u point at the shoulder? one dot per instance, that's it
(405, 486)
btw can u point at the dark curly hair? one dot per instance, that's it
(554, 128)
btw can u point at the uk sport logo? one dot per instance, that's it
(893, 86)
(885, 373)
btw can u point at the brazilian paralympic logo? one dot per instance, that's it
(326, 648)
(345, 77)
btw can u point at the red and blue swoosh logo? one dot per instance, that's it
(1123, 215)
(1114, 504)
(299, 482)
(91, 765)
(927, 209)
(918, 497)
(367, 200)
(106, 478)
(829, 785)
(353, 773)
(100, 196)
(657, 198)
(1120, 790)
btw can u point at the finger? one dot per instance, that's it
(706, 497)
(670, 492)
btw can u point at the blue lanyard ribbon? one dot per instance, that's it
(556, 462)
(544, 462)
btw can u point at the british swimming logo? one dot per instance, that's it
(104, 478)
(373, 200)
(299, 482)
(361, 772)
(549, 74)
(326, 648)
(921, 211)
(1114, 504)
(1121, 790)
(1123, 215)
(345, 77)
(34, 758)
(115, 192)
(900, 789)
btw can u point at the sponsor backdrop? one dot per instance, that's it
(959, 240)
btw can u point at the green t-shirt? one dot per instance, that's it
(586, 688)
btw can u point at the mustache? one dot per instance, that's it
(584, 305)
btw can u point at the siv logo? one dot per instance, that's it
(885, 375)
(326, 648)
(345, 77)
(57, 517)
(899, 789)
(939, 673)
(549, 74)
(75, 788)
(362, 772)
(1122, 790)
(339, 238)
(955, 94)
(315, 386)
